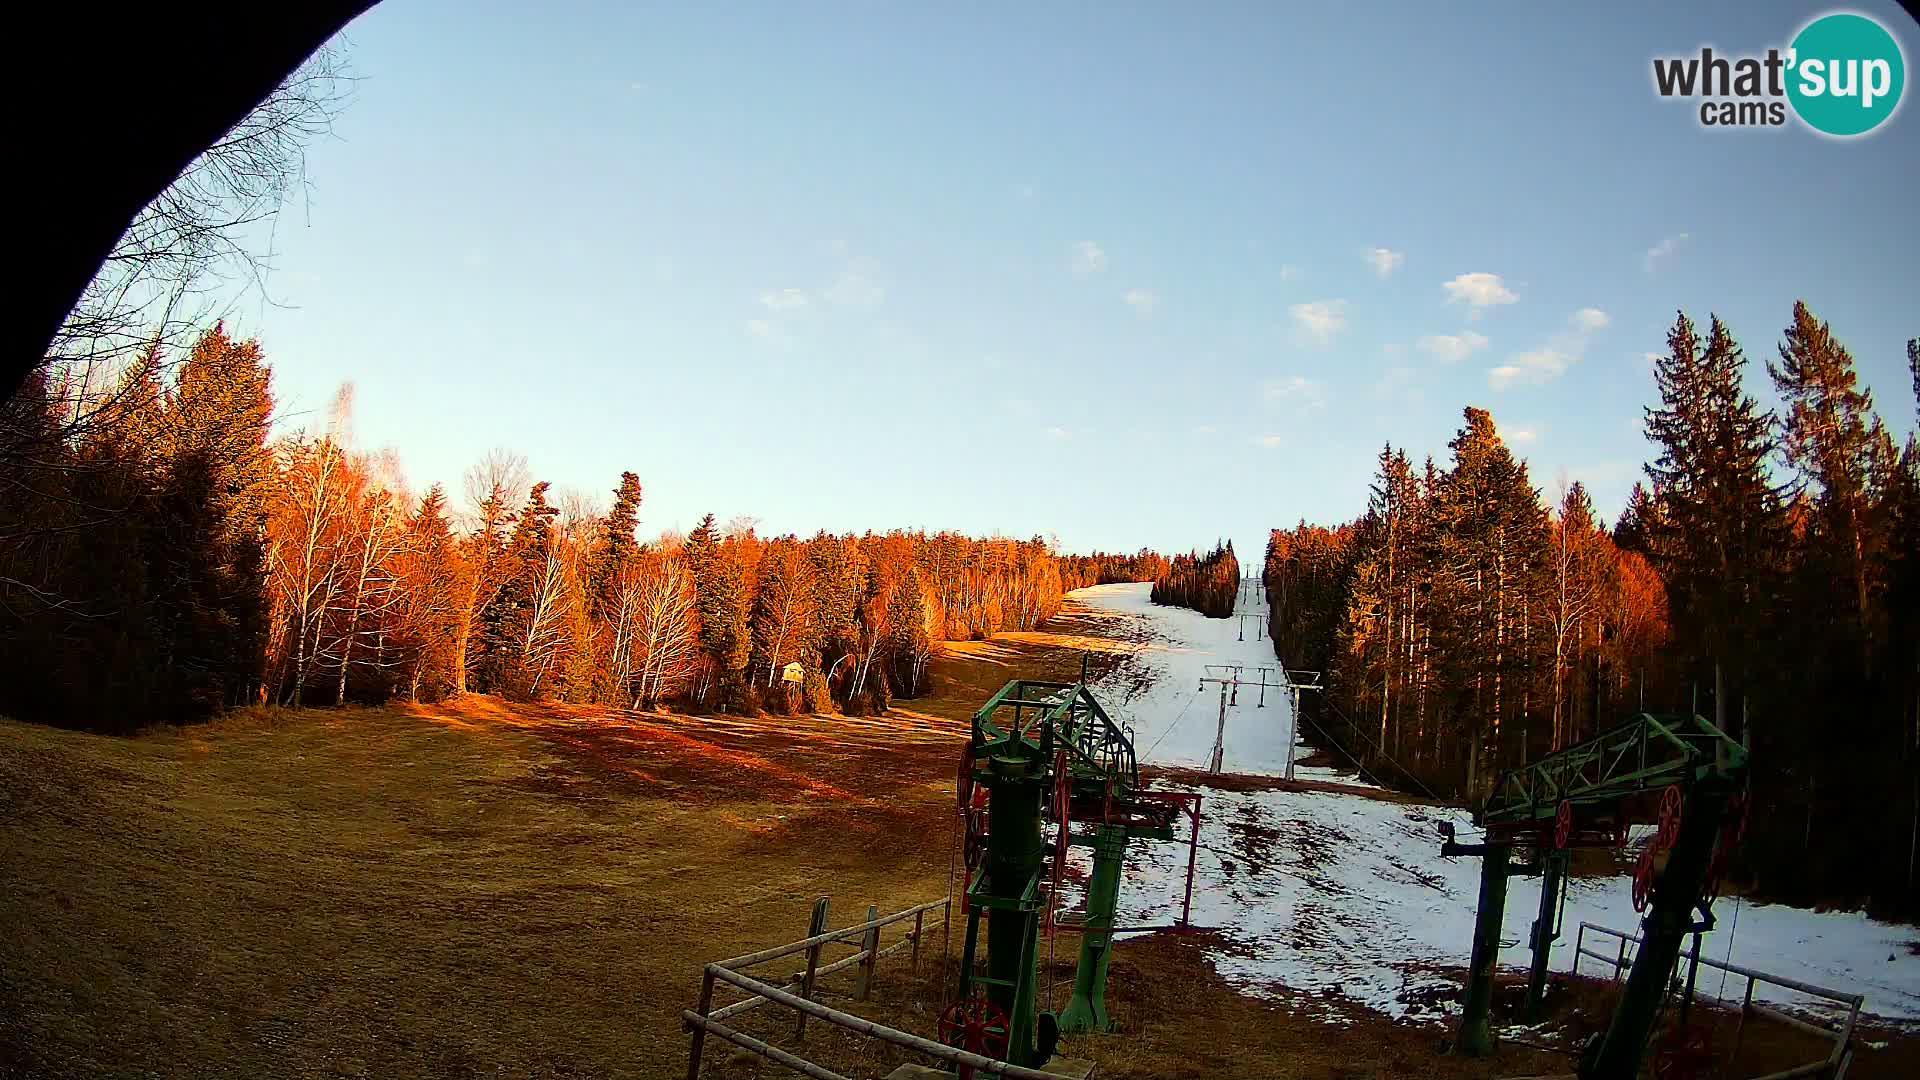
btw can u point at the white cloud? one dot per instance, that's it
(1385, 260)
(1142, 300)
(1653, 358)
(858, 285)
(1088, 258)
(1589, 319)
(1453, 348)
(784, 299)
(1205, 429)
(1663, 249)
(1308, 393)
(1321, 319)
(1479, 291)
(1531, 368)
(1518, 436)
(762, 330)
(1269, 441)
(1550, 361)
(1058, 433)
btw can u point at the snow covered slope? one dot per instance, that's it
(1158, 689)
(1322, 894)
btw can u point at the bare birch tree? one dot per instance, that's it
(665, 648)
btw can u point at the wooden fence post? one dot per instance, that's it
(815, 928)
(700, 1033)
(870, 945)
(918, 925)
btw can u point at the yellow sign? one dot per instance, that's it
(793, 673)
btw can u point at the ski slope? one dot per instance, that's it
(1344, 899)
(1158, 689)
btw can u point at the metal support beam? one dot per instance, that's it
(1476, 1034)
(1675, 894)
(1087, 1009)
(1013, 862)
(1553, 876)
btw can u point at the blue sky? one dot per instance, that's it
(1112, 272)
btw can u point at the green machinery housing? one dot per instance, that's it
(1046, 754)
(1680, 771)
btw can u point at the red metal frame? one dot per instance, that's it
(1189, 803)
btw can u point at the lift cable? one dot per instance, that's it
(1404, 771)
(1170, 727)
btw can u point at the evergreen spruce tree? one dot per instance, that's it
(1493, 539)
(503, 623)
(208, 516)
(1719, 525)
(1837, 446)
(723, 597)
(618, 544)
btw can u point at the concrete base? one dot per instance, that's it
(1064, 1067)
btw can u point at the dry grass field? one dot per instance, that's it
(481, 890)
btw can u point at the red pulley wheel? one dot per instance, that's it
(1563, 825)
(1671, 801)
(1643, 880)
(977, 1026)
(976, 838)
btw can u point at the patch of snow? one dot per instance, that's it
(1320, 895)
(1324, 894)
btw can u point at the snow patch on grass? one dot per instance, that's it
(1346, 899)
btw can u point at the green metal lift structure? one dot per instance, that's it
(1039, 754)
(1680, 771)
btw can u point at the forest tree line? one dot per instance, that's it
(1766, 575)
(1100, 568)
(171, 559)
(1205, 583)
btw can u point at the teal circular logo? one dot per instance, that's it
(1845, 74)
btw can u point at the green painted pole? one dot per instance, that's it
(1087, 1009)
(1476, 1033)
(1553, 873)
(1013, 860)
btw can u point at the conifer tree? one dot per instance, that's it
(723, 598)
(1837, 446)
(506, 624)
(1719, 524)
(208, 526)
(618, 542)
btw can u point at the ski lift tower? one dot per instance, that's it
(1047, 751)
(1296, 682)
(1680, 771)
